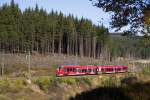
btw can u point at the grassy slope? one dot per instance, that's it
(75, 88)
(49, 87)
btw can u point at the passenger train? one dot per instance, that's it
(89, 70)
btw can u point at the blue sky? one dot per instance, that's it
(79, 8)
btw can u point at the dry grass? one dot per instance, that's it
(16, 65)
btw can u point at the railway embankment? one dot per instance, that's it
(105, 87)
(44, 85)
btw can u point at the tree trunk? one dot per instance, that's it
(60, 44)
(76, 45)
(94, 47)
(89, 47)
(53, 44)
(81, 46)
(68, 46)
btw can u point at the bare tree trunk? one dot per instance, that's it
(71, 49)
(68, 46)
(48, 46)
(76, 45)
(81, 46)
(89, 47)
(37, 46)
(29, 65)
(2, 64)
(60, 44)
(94, 47)
(85, 46)
(32, 44)
(53, 44)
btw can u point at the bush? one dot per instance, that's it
(20, 82)
(4, 85)
(108, 81)
(44, 82)
(146, 70)
(4, 97)
(129, 80)
(84, 80)
(69, 80)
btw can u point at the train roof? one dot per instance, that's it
(105, 66)
(78, 66)
(112, 66)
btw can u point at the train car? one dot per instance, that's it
(76, 70)
(112, 69)
(88, 70)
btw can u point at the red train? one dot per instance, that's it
(88, 70)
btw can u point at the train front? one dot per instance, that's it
(60, 71)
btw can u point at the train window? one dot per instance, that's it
(124, 68)
(83, 70)
(94, 70)
(68, 70)
(73, 69)
(89, 70)
(118, 69)
(65, 69)
(76, 70)
(79, 70)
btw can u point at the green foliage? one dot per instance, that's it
(108, 81)
(9, 85)
(37, 30)
(68, 80)
(20, 82)
(4, 97)
(125, 12)
(87, 81)
(146, 70)
(45, 82)
(84, 80)
(17, 89)
(4, 85)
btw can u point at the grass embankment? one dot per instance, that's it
(17, 89)
(77, 87)
(45, 86)
(42, 88)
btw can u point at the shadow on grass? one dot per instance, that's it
(104, 93)
(136, 91)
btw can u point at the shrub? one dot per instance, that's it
(109, 81)
(20, 82)
(146, 70)
(44, 82)
(69, 80)
(84, 80)
(129, 80)
(4, 85)
(4, 97)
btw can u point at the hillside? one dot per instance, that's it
(104, 87)
(46, 86)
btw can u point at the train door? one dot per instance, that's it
(94, 70)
